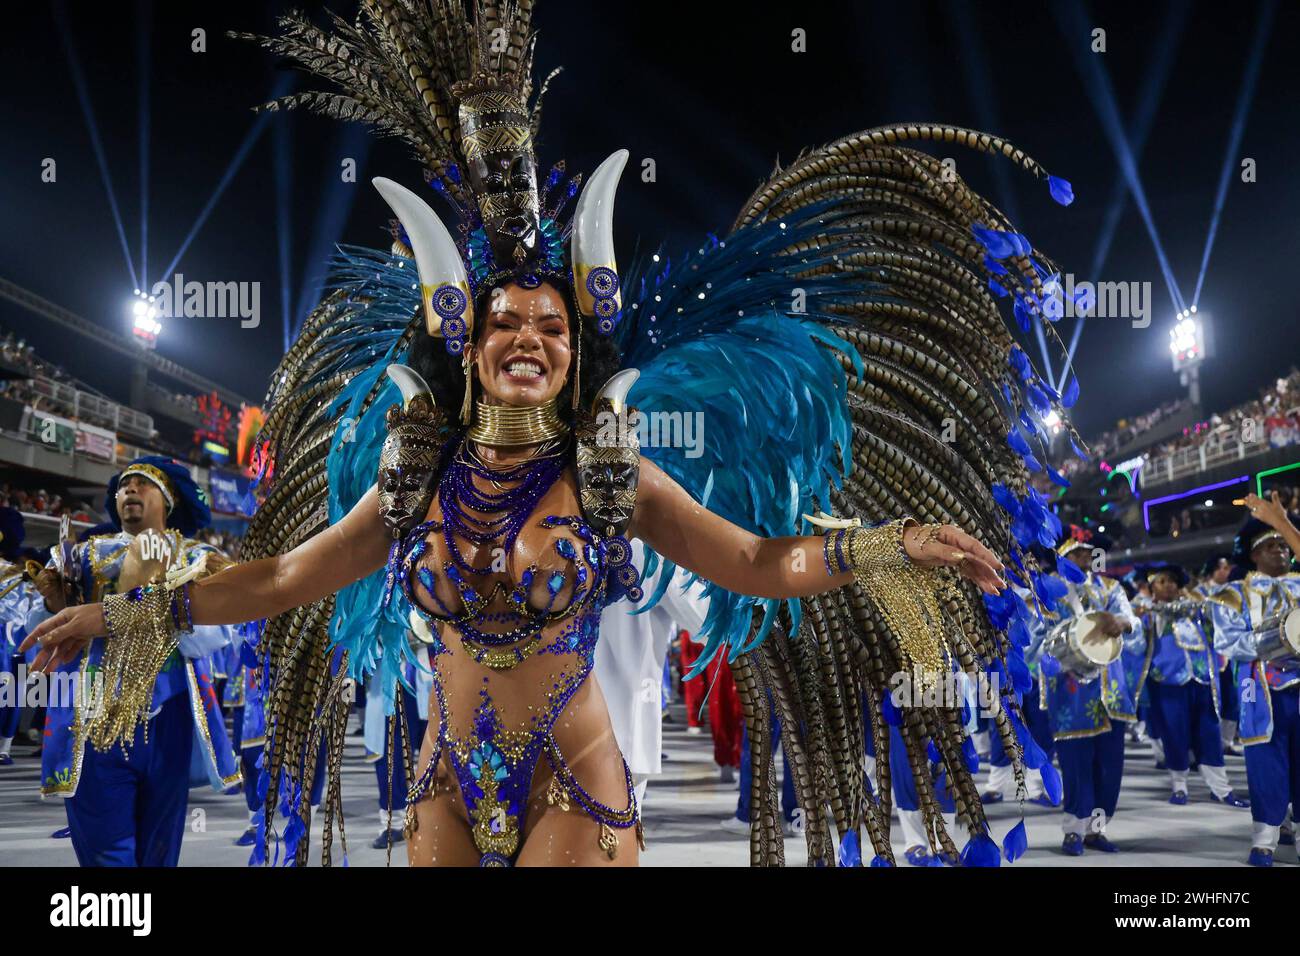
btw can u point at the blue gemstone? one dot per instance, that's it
(565, 548)
(555, 583)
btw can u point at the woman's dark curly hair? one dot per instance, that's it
(443, 371)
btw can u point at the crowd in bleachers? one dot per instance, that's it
(41, 502)
(1273, 417)
(15, 351)
(1126, 429)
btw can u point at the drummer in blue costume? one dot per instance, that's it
(16, 595)
(1215, 574)
(1088, 716)
(248, 730)
(388, 744)
(1246, 616)
(1002, 782)
(1184, 684)
(124, 761)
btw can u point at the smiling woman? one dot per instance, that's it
(548, 310)
(828, 341)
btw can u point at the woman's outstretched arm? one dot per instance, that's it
(685, 532)
(321, 565)
(324, 563)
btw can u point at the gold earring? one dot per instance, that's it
(468, 403)
(577, 365)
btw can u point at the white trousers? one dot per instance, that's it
(1084, 825)
(1003, 780)
(1216, 778)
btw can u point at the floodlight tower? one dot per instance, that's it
(1189, 347)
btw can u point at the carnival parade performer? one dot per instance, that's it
(1002, 783)
(1247, 614)
(17, 595)
(506, 378)
(1089, 711)
(119, 749)
(1184, 684)
(1214, 575)
(629, 667)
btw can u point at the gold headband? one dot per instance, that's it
(1259, 539)
(157, 477)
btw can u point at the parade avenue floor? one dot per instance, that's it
(683, 808)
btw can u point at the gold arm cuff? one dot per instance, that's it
(906, 594)
(142, 635)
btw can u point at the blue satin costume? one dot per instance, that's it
(127, 807)
(1088, 719)
(1267, 693)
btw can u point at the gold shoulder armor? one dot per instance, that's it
(1228, 597)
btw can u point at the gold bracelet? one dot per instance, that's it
(907, 595)
(142, 635)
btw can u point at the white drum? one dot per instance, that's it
(1082, 647)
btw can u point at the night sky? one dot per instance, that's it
(715, 96)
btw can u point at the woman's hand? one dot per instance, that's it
(949, 546)
(65, 635)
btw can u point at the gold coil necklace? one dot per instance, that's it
(509, 426)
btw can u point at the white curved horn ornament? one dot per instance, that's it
(444, 284)
(410, 383)
(595, 272)
(616, 389)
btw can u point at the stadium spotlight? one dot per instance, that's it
(1188, 347)
(145, 327)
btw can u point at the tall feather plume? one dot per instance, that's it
(404, 65)
(401, 67)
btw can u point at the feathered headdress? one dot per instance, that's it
(457, 89)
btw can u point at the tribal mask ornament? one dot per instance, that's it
(609, 458)
(417, 431)
(497, 143)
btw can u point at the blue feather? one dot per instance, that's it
(850, 849)
(1051, 780)
(1016, 842)
(981, 851)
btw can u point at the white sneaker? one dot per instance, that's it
(732, 825)
(694, 731)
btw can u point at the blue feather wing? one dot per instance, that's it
(851, 346)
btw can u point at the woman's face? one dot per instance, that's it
(522, 353)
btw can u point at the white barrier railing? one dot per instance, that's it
(63, 399)
(1215, 449)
